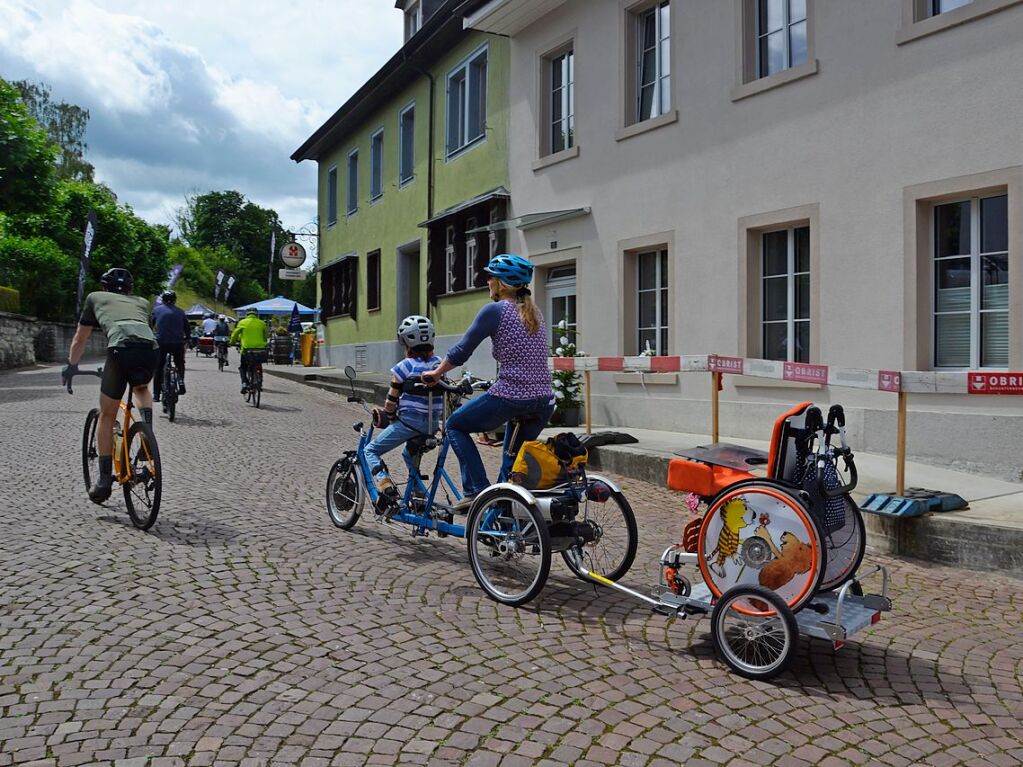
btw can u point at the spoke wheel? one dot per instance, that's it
(845, 547)
(509, 547)
(614, 551)
(90, 455)
(755, 631)
(257, 386)
(144, 487)
(345, 496)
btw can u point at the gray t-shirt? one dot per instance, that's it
(125, 319)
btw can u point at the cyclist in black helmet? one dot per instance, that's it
(172, 332)
(132, 354)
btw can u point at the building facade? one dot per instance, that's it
(409, 167)
(807, 180)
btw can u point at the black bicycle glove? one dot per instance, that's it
(67, 372)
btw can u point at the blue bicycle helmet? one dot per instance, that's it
(512, 270)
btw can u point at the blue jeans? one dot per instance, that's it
(412, 424)
(486, 413)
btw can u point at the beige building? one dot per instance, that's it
(812, 180)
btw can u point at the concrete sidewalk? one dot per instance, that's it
(986, 536)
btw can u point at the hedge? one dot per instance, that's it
(10, 300)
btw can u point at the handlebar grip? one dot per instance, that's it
(848, 487)
(837, 415)
(813, 420)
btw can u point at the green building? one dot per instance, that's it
(412, 169)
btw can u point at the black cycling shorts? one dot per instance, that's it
(128, 365)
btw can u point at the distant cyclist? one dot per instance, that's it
(221, 334)
(172, 333)
(132, 356)
(250, 334)
(209, 325)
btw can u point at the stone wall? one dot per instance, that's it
(26, 340)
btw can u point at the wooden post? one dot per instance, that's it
(900, 455)
(586, 394)
(715, 380)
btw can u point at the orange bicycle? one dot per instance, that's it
(136, 460)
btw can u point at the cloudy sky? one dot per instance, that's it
(200, 95)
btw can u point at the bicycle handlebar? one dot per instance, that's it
(98, 373)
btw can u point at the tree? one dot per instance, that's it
(27, 159)
(45, 276)
(65, 124)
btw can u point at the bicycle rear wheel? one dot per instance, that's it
(90, 455)
(509, 547)
(613, 551)
(257, 378)
(144, 487)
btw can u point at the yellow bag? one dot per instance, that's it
(537, 466)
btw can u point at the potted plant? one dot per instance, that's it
(566, 383)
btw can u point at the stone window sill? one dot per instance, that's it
(646, 125)
(776, 80)
(554, 159)
(943, 21)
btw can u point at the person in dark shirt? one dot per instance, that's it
(172, 333)
(131, 358)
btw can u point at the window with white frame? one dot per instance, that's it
(406, 145)
(785, 296)
(467, 102)
(652, 302)
(781, 35)
(561, 98)
(376, 164)
(471, 251)
(653, 70)
(971, 283)
(451, 259)
(332, 196)
(353, 181)
(413, 18)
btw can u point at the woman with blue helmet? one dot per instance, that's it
(518, 337)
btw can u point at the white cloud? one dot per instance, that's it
(197, 95)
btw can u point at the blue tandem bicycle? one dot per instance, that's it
(511, 532)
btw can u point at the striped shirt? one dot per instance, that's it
(414, 402)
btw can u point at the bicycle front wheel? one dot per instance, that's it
(144, 486)
(509, 547)
(90, 455)
(345, 496)
(616, 537)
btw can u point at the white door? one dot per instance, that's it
(561, 303)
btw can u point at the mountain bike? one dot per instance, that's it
(136, 459)
(169, 386)
(253, 361)
(221, 342)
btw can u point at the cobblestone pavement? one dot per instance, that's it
(244, 629)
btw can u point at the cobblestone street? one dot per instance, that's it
(245, 629)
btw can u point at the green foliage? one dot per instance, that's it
(27, 158)
(65, 125)
(566, 383)
(44, 276)
(10, 300)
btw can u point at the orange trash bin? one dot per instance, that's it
(307, 345)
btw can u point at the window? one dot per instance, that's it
(413, 19)
(353, 181)
(451, 260)
(652, 302)
(373, 280)
(406, 142)
(971, 283)
(332, 196)
(781, 35)
(467, 103)
(376, 165)
(935, 7)
(471, 251)
(339, 288)
(921, 18)
(560, 106)
(785, 295)
(654, 62)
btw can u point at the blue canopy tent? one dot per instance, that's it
(277, 306)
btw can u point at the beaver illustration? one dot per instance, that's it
(794, 557)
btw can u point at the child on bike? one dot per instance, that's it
(404, 416)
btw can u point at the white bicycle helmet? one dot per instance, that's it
(416, 331)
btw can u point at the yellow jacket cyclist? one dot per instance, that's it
(251, 334)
